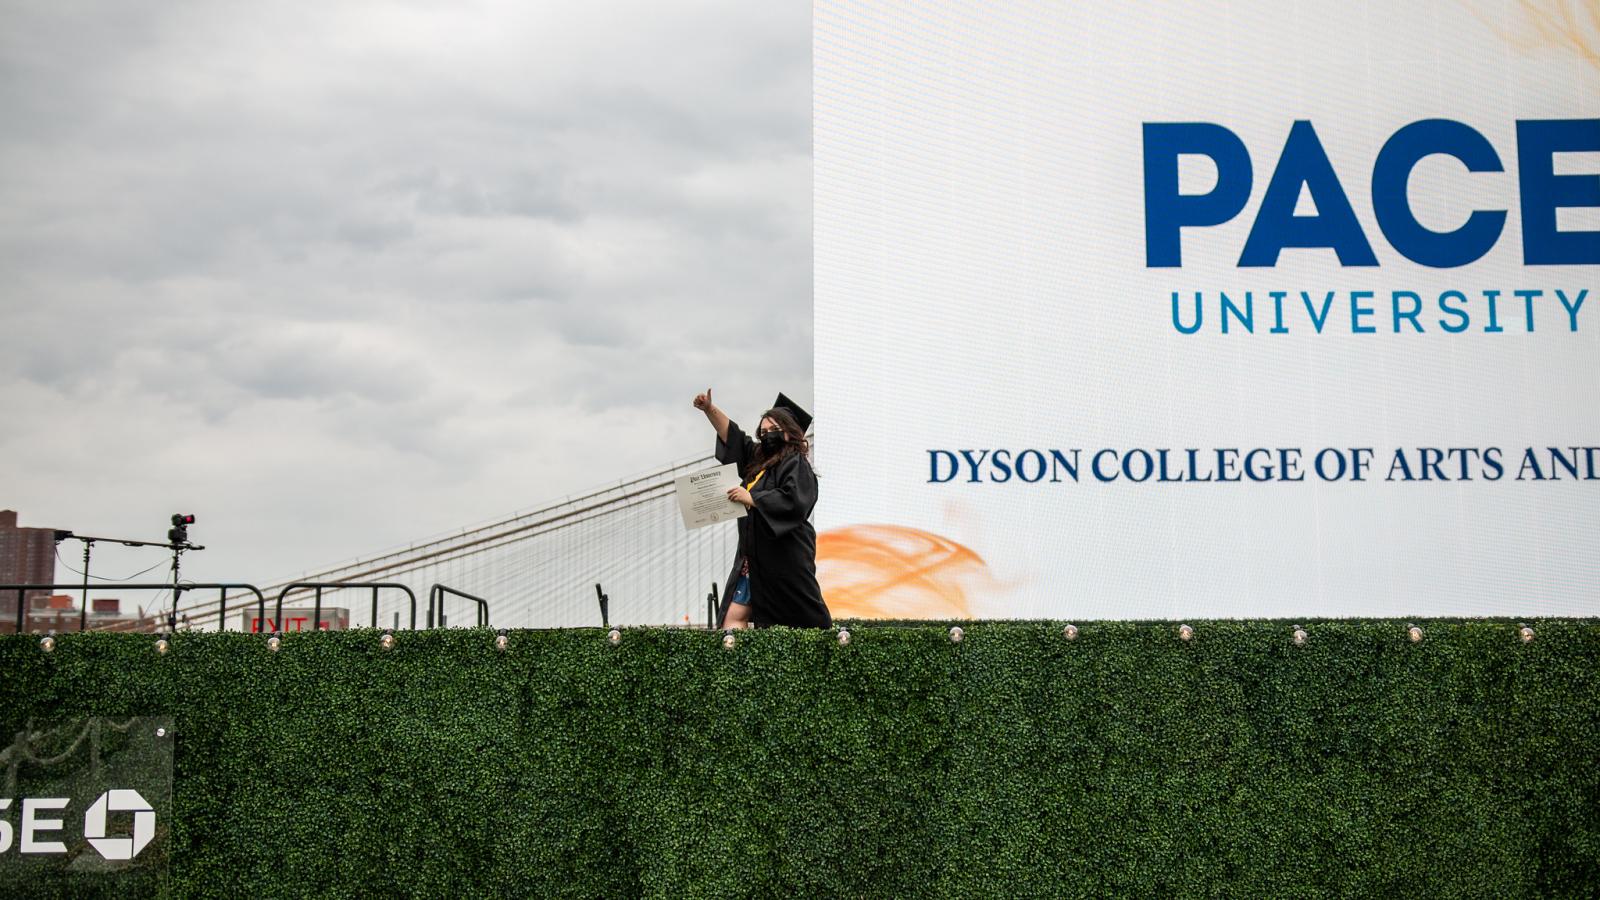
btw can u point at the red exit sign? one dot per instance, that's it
(332, 619)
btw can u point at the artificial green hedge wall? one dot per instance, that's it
(1015, 763)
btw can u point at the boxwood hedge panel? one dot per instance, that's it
(1126, 762)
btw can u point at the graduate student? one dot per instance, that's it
(774, 576)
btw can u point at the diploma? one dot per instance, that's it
(703, 496)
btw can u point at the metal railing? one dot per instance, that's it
(436, 595)
(261, 600)
(317, 589)
(320, 586)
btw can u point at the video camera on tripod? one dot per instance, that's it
(179, 532)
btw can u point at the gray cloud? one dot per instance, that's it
(389, 268)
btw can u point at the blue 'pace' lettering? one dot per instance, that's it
(1543, 191)
(1392, 171)
(1303, 166)
(1165, 210)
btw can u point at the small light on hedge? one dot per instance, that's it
(48, 643)
(501, 640)
(162, 645)
(615, 637)
(728, 640)
(1070, 632)
(1525, 633)
(1185, 632)
(1415, 634)
(387, 641)
(1299, 636)
(956, 634)
(844, 637)
(275, 643)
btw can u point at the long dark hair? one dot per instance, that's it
(794, 441)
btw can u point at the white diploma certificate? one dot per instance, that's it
(703, 496)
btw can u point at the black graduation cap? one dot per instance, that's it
(800, 415)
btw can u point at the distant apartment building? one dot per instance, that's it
(27, 556)
(60, 613)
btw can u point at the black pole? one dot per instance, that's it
(222, 612)
(20, 593)
(374, 606)
(605, 602)
(316, 611)
(172, 615)
(83, 614)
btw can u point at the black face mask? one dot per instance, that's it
(771, 441)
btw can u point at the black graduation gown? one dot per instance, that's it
(778, 539)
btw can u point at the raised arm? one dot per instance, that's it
(717, 418)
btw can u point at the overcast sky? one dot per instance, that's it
(337, 277)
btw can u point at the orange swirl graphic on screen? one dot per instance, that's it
(1569, 25)
(895, 572)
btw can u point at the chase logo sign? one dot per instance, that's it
(87, 806)
(37, 825)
